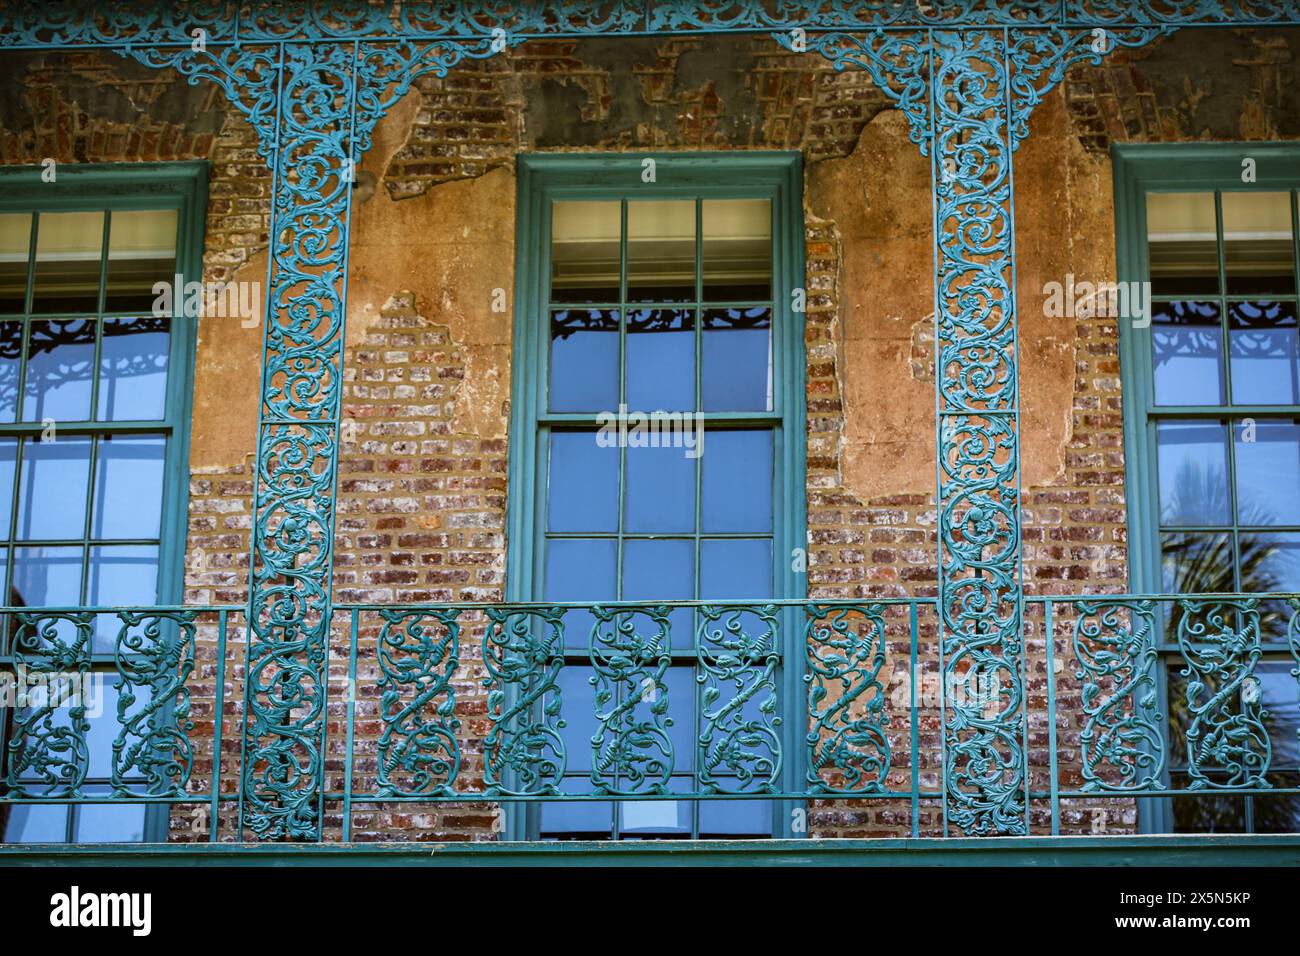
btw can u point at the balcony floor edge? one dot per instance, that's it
(1162, 850)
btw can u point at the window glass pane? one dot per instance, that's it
(111, 823)
(133, 370)
(660, 493)
(60, 362)
(737, 353)
(141, 252)
(1197, 562)
(1278, 813)
(15, 240)
(52, 492)
(1268, 474)
(36, 823)
(582, 489)
(11, 353)
(1258, 256)
(8, 464)
(737, 250)
(46, 577)
(585, 251)
(1265, 353)
(661, 360)
(578, 695)
(128, 486)
(737, 481)
(580, 569)
(730, 818)
(1280, 704)
(1187, 353)
(1209, 814)
(68, 247)
(572, 820)
(1182, 244)
(735, 569)
(661, 251)
(1270, 562)
(662, 571)
(123, 575)
(100, 701)
(584, 360)
(1193, 467)
(657, 819)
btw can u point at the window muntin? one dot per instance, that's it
(1220, 416)
(92, 434)
(658, 302)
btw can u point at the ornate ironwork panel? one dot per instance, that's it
(1114, 658)
(419, 651)
(631, 751)
(978, 432)
(47, 751)
(154, 656)
(739, 650)
(60, 693)
(524, 751)
(847, 742)
(1226, 741)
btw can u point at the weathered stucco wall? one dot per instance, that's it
(423, 464)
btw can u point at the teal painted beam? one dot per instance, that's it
(1117, 851)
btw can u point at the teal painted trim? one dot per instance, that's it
(540, 178)
(1139, 169)
(119, 187)
(1118, 851)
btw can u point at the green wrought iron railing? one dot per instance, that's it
(1152, 697)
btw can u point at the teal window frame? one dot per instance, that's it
(1140, 169)
(544, 178)
(182, 186)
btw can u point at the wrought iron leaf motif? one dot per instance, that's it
(154, 655)
(631, 752)
(1122, 744)
(1040, 58)
(523, 652)
(419, 753)
(848, 749)
(739, 649)
(47, 751)
(1227, 743)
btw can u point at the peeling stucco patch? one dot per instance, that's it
(886, 290)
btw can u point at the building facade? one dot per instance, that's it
(651, 423)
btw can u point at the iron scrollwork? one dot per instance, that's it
(1122, 746)
(631, 751)
(523, 652)
(419, 754)
(847, 742)
(739, 651)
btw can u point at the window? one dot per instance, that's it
(670, 300)
(94, 400)
(1212, 428)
